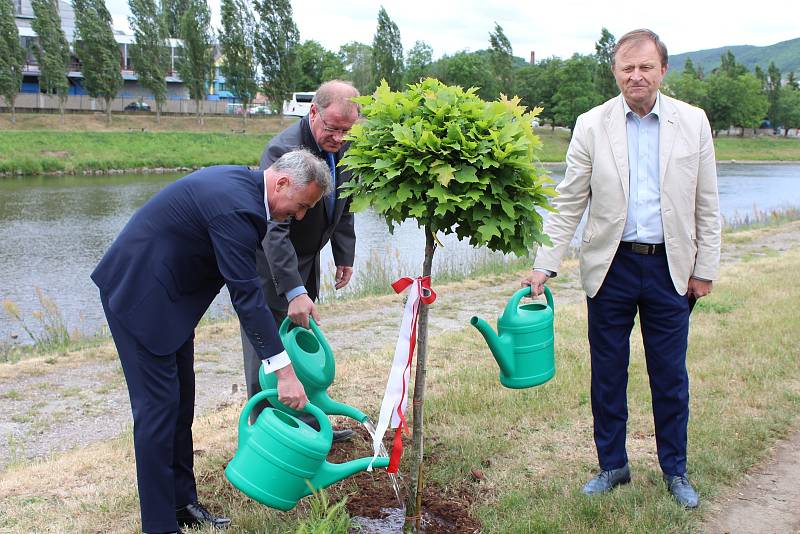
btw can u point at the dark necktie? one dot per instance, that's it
(330, 200)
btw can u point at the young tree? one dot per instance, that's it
(387, 52)
(605, 83)
(150, 52)
(236, 42)
(12, 57)
(789, 108)
(197, 58)
(98, 51)
(357, 60)
(502, 59)
(458, 165)
(51, 50)
(276, 41)
(172, 11)
(418, 62)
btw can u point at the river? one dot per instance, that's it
(53, 230)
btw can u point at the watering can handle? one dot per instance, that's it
(244, 418)
(284, 329)
(524, 292)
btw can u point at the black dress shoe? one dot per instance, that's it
(605, 481)
(680, 488)
(195, 514)
(342, 435)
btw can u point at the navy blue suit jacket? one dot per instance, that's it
(172, 258)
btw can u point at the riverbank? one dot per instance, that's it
(39, 144)
(520, 472)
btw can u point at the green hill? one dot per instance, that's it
(786, 56)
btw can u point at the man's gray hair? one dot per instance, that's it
(336, 92)
(303, 167)
(636, 36)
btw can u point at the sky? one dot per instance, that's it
(553, 28)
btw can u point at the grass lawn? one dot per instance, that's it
(533, 446)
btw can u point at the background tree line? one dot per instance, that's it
(260, 51)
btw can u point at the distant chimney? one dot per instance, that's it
(533, 57)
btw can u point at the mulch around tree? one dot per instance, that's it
(370, 495)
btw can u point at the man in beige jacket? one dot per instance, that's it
(644, 164)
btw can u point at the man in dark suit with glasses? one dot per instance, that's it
(290, 271)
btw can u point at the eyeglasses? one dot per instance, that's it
(328, 129)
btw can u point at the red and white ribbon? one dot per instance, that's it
(395, 399)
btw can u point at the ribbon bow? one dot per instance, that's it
(395, 398)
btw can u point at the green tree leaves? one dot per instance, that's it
(12, 56)
(51, 49)
(502, 59)
(195, 67)
(455, 163)
(387, 51)
(98, 51)
(236, 41)
(150, 52)
(276, 40)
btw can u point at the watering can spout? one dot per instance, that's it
(500, 346)
(331, 473)
(332, 407)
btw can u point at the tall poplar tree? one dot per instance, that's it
(172, 11)
(98, 51)
(605, 83)
(773, 90)
(12, 57)
(357, 59)
(150, 51)
(276, 40)
(197, 59)
(387, 52)
(51, 50)
(236, 43)
(502, 59)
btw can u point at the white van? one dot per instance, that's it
(299, 105)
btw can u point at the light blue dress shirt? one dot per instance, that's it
(643, 224)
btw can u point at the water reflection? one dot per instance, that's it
(53, 230)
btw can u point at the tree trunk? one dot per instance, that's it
(416, 480)
(158, 112)
(108, 110)
(14, 110)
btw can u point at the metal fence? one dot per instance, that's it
(41, 102)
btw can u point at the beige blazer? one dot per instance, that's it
(597, 176)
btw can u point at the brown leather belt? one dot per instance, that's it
(650, 249)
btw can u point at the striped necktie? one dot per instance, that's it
(330, 200)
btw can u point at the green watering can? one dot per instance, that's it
(312, 359)
(523, 346)
(280, 458)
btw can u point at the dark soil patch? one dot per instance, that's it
(370, 495)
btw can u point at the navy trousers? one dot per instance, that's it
(639, 283)
(161, 390)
